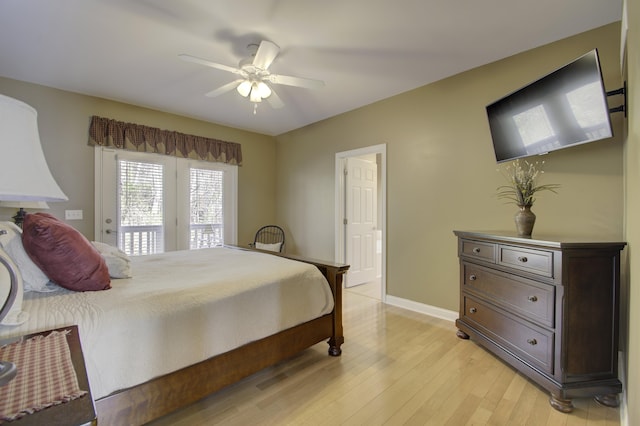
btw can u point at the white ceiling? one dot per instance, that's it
(364, 50)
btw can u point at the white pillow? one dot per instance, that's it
(118, 263)
(33, 277)
(269, 247)
(16, 315)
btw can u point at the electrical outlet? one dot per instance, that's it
(73, 214)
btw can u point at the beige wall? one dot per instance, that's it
(442, 173)
(63, 120)
(631, 290)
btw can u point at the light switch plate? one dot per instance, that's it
(73, 214)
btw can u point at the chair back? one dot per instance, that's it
(270, 237)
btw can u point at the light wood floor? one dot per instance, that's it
(371, 289)
(397, 367)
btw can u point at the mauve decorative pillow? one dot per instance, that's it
(64, 254)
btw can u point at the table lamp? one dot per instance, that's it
(24, 177)
(22, 205)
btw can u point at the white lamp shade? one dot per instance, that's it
(36, 205)
(254, 96)
(244, 88)
(24, 173)
(264, 90)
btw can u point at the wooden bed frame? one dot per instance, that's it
(162, 395)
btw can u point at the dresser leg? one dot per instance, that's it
(461, 334)
(562, 405)
(608, 400)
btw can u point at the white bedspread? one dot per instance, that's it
(178, 309)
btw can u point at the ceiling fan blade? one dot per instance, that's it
(274, 100)
(205, 62)
(288, 80)
(223, 89)
(267, 52)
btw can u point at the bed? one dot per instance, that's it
(189, 323)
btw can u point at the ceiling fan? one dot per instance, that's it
(255, 79)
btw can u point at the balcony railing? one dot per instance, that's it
(206, 235)
(149, 239)
(139, 240)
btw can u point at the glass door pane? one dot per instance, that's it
(206, 207)
(140, 207)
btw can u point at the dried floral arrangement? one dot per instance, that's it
(523, 176)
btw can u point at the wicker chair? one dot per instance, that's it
(270, 237)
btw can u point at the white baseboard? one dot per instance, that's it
(433, 311)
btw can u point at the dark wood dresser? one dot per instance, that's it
(548, 307)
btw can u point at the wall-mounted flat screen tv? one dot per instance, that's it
(565, 108)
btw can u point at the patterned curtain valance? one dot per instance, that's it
(136, 137)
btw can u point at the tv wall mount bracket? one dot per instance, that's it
(621, 91)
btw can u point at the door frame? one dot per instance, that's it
(340, 237)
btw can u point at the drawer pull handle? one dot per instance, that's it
(532, 298)
(532, 342)
(473, 310)
(522, 259)
(476, 250)
(472, 277)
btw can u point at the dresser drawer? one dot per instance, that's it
(525, 340)
(478, 250)
(539, 262)
(528, 298)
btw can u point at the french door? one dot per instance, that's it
(149, 203)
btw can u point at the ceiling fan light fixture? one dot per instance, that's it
(244, 88)
(254, 79)
(254, 96)
(264, 90)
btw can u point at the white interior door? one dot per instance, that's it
(361, 224)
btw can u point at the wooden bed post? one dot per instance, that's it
(334, 274)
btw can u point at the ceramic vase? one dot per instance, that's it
(525, 219)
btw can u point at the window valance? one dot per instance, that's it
(136, 137)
